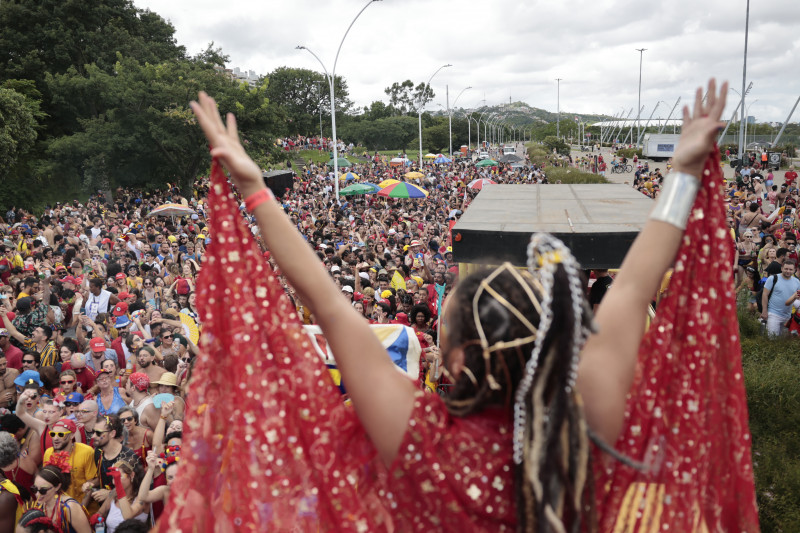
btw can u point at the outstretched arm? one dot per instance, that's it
(609, 358)
(382, 396)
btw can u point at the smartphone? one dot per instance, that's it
(83, 310)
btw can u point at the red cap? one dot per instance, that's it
(69, 279)
(120, 309)
(120, 275)
(29, 267)
(123, 295)
(106, 241)
(98, 344)
(66, 423)
(61, 267)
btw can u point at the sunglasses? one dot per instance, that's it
(166, 337)
(68, 382)
(59, 434)
(29, 361)
(99, 433)
(71, 404)
(85, 411)
(40, 490)
(186, 360)
(126, 419)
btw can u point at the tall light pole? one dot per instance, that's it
(450, 113)
(744, 79)
(558, 108)
(421, 104)
(331, 80)
(319, 93)
(639, 106)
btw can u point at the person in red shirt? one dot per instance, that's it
(84, 375)
(790, 176)
(13, 354)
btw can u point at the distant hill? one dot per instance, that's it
(522, 114)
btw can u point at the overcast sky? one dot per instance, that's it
(515, 48)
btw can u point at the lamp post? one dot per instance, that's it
(639, 106)
(744, 77)
(319, 93)
(469, 130)
(558, 108)
(331, 80)
(479, 129)
(420, 106)
(450, 113)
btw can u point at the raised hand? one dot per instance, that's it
(225, 145)
(699, 131)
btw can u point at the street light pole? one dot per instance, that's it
(421, 104)
(744, 79)
(558, 108)
(746, 121)
(450, 113)
(319, 93)
(331, 80)
(639, 106)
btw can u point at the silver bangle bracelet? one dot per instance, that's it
(674, 204)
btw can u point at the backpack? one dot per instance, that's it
(760, 293)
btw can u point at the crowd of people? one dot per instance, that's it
(100, 326)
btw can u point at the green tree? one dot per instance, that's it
(405, 97)
(41, 37)
(144, 134)
(554, 143)
(17, 127)
(303, 94)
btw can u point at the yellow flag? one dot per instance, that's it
(398, 282)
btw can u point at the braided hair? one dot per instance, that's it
(521, 333)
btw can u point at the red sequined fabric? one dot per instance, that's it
(687, 413)
(270, 445)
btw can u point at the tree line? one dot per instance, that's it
(94, 95)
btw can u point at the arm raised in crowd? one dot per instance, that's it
(382, 396)
(609, 357)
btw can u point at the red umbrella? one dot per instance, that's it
(479, 183)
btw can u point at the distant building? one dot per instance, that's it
(250, 77)
(751, 119)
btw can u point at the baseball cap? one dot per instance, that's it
(67, 424)
(75, 397)
(347, 288)
(98, 344)
(392, 231)
(335, 268)
(123, 295)
(120, 275)
(69, 279)
(4, 332)
(120, 309)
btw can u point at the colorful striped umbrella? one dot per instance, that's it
(403, 190)
(349, 176)
(387, 182)
(359, 188)
(479, 183)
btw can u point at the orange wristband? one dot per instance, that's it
(258, 198)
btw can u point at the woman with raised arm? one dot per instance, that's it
(534, 376)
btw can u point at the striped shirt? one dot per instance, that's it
(48, 356)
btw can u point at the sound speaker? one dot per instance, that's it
(278, 181)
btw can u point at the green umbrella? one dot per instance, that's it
(342, 162)
(487, 163)
(359, 188)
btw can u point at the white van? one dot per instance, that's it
(509, 149)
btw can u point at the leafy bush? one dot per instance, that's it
(554, 143)
(571, 175)
(629, 152)
(771, 367)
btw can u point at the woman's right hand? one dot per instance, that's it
(225, 145)
(152, 460)
(699, 130)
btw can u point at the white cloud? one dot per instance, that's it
(511, 48)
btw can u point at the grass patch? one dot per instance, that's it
(771, 368)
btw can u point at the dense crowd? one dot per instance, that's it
(100, 327)
(764, 225)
